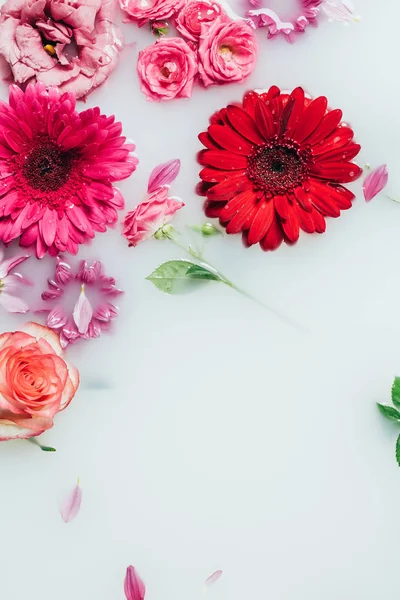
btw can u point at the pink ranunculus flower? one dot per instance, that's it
(167, 69)
(35, 381)
(152, 214)
(193, 14)
(152, 10)
(72, 44)
(227, 51)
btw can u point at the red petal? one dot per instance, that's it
(206, 140)
(292, 112)
(319, 221)
(222, 160)
(244, 124)
(338, 154)
(330, 121)
(337, 139)
(341, 196)
(282, 206)
(213, 209)
(336, 171)
(215, 175)
(236, 204)
(274, 237)
(237, 222)
(323, 202)
(229, 139)
(305, 219)
(291, 226)
(310, 119)
(303, 199)
(262, 222)
(264, 120)
(249, 103)
(227, 189)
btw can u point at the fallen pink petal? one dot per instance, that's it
(213, 578)
(375, 182)
(339, 10)
(72, 504)
(164, 174)
(133, 586)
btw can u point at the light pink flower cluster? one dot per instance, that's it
(72, 44)
(86, 320)
(216, 48)
(157, 209)
(263, 16)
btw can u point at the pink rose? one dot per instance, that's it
(152, 10)
(227, 51)
(193, 14)
(152, 214)
(72, 44)
(167, 69)
(35, 381)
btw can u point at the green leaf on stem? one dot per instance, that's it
(398, 450)
(396, 392)
(175, 276)
(34, 441)
(389, 412)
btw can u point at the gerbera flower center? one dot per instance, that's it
(48, 167)
(278, 167)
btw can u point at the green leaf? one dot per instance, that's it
(389, 412)
(198, 272)
(175, 276)
(396, 392)
(398, 450)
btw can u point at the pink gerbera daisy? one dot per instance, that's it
(57, 167)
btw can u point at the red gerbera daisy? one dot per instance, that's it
(275, 165)
(56, 170)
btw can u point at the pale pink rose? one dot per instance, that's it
(167, 69)
(72, 44)
(227, 51)
(35, 381)
(193, 14)
(151, 10)
(152, 214)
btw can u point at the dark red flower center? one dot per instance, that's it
(278, 167)
(47, 167)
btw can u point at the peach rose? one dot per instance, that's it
(227, 51)
(35, 381)
(167, 69)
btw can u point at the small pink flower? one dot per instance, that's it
(193, 14)
(36, 38)
(227, 51)
(167, 69)
(155, 10)
(133, 586)
(159, 28)
(152, 214)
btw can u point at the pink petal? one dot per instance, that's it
(71, 505)
(339, 10)
(164, 174)
(213, 578)
(375, 182)
(13, 304)
(8, 265)
(133, 586)
(83, 312)
(56, 318)
(63, 272)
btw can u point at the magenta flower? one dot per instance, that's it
(167, 69)
(73, 45)
(227, 51)
(57, 167)
(92, 312)
(9, 284)
(133, 586)
(150, 216)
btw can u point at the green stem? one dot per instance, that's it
(34, 441)
(229, 283)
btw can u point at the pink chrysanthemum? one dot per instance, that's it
(57, 167)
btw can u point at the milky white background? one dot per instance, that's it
(207, 433)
